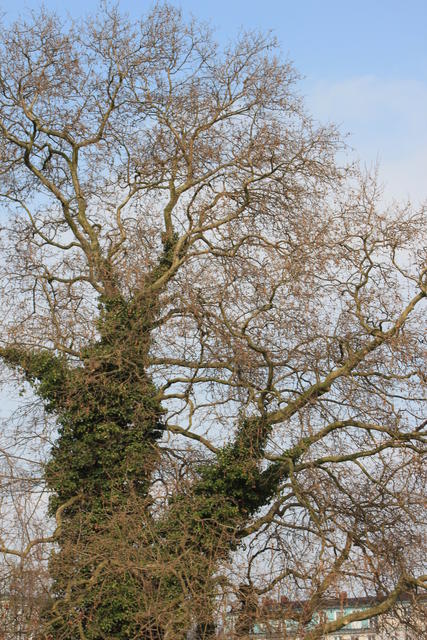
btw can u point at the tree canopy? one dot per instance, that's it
(223, 330)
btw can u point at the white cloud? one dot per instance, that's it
(387, 121)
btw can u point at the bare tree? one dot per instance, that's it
(223, 332)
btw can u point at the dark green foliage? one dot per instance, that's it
(45, 371)
(109, 424)
(235, 474)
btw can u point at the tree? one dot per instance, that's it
(222, 330)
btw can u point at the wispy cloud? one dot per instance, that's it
(387, 121)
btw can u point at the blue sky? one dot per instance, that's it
(364, 65)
